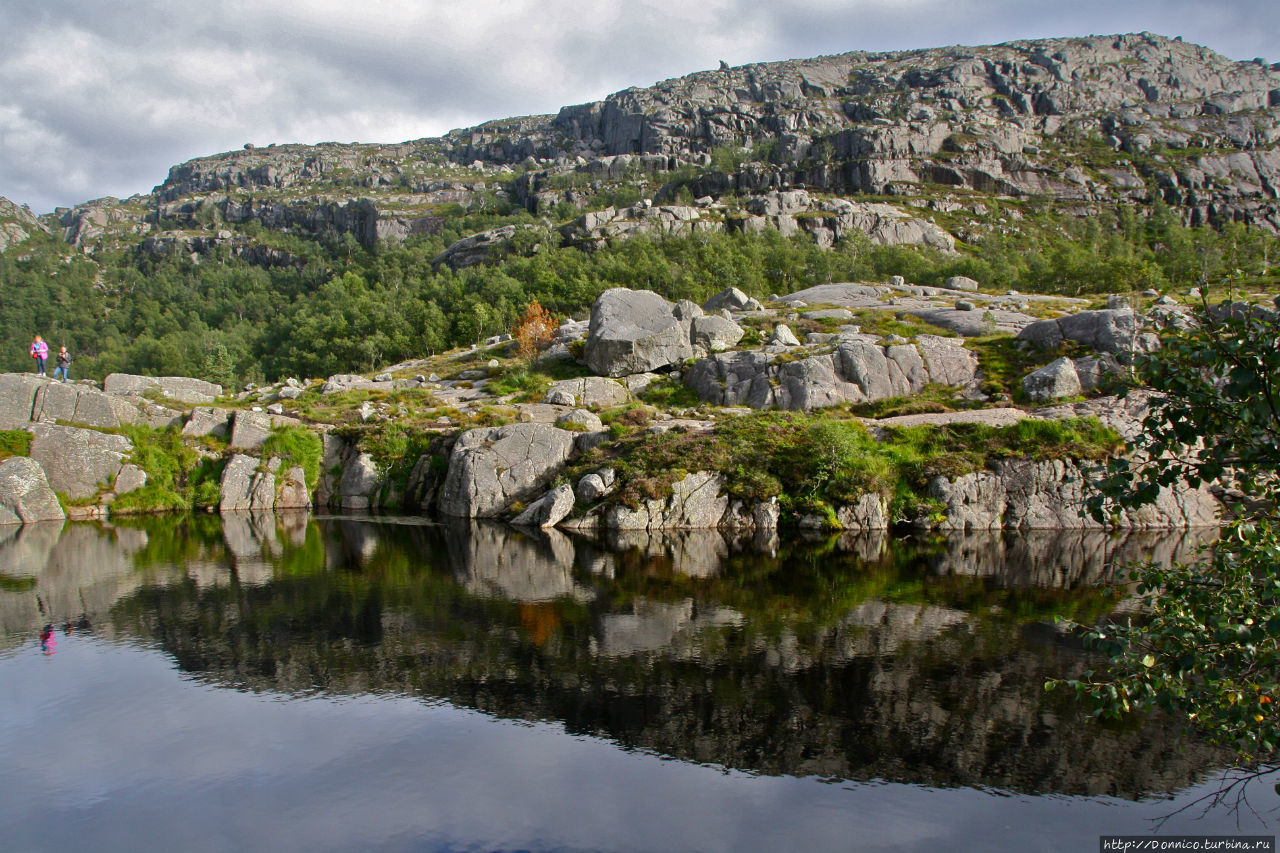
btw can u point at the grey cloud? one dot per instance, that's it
(99, 98)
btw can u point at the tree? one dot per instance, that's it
(534, 332)
(1206, 648)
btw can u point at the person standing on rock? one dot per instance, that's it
(64, 364)
(40, 352)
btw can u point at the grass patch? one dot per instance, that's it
(14, 442)
(178, 477)
(296, 446)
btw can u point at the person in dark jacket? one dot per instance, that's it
(64, 364)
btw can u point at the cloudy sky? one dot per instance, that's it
(101, 98)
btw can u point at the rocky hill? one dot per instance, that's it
(1080, 122)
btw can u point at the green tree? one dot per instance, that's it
(1206, 647)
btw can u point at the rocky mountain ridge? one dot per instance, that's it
(1077, 123)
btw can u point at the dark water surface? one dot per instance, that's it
(321, 683)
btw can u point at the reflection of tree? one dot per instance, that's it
(810, 662)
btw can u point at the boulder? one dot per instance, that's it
(293, 492)
(548, 510)
(181, 388)
(858, 371)
(593, 487)
(1025, 494)
(130, 479)
(1112, 330)
(961, 282)
(25, 493)
(491, 467)
(588, 392)
(78, 462)
(731, 298)
(206, 420)
(345, 382)
(580, 419)
(783, 336)
(713, 333)
(634, 331)
(1054, 380)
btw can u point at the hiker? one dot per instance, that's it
(40, 352)
(64, 364)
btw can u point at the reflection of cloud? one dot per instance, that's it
(101, 98)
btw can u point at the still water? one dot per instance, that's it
(332, 683)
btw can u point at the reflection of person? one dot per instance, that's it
(64, 364)
(40, 352)
(47, 642)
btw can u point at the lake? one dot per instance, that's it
(298, 682)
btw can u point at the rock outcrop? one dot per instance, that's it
(858, 370)
(182, 388)
(490, 468)
(79, 463)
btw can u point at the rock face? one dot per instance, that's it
(859, 370)
(696, 502)
(244, 487)
(492, 467)
(78, 462)
(25, 494)
(1028, 495)
(182, 388)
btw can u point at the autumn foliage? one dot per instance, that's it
(534, 331)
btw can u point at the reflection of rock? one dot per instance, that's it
(654, 626)
(495, 560)
(896, 624)
(697, 553)
(75, 573)
(251, 539)
(1061, 559)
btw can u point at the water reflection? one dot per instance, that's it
(852, 657)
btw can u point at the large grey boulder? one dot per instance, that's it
(588, 392)
(1109, 330)
(492, 467)
(634, 331)
(292, 492)
(961, 282)
(78, 462)
(548, 510)
(182, 388)
(25, 493)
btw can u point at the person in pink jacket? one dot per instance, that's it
(40, 352)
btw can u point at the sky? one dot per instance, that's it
(101, 98)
